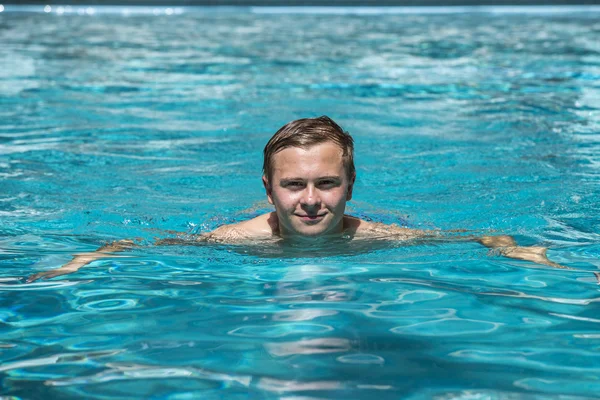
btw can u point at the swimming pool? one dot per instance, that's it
(118, 125)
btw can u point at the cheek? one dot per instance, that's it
(335, 198)
(337, 201)
(284, 198)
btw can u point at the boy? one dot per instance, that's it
(308, 175)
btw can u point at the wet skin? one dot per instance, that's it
(309, 188)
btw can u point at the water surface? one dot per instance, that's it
(117, 127)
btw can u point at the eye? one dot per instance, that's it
(327, 183)
(294, 185)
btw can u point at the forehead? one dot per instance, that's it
(319, 159)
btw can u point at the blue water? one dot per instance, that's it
(118, 126)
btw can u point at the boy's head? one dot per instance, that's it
(307, 132)
(309, 175)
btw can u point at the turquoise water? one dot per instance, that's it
(116, 126)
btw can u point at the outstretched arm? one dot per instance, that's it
(507, 247)
(83, 259)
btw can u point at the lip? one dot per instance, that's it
(311, 218)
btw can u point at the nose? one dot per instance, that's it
(310, 197)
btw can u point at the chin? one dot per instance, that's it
(312, 231)
(297, 228)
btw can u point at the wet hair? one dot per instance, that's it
(308, 132)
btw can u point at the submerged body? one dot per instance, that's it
(309, 188)
(309, 177)
(266, 226)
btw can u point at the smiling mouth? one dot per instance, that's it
(311, 218)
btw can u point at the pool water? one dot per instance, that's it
(118, 126)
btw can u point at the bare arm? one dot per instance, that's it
(83, 259)
(507, 247)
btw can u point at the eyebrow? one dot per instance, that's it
(331, 177)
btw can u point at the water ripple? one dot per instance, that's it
(125, 372)
(140, 124)
(309, 346)
(63, 358)
(279, 330)
(39, 285)
(448, 327)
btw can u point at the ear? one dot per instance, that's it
(268, 189)
(350, 187)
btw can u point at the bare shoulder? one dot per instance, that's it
(261, 227)
(365, 229)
